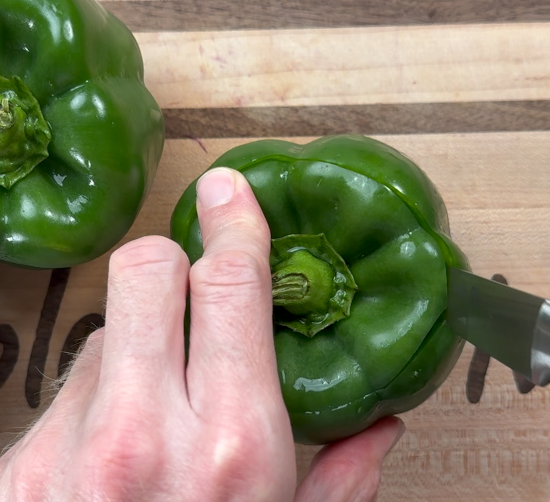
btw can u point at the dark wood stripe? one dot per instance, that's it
(44, 332)
(363, 119)
(10, 352)
(196, 15)
(76, 338)
(475, 382)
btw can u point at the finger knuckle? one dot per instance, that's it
(123, 461)
(146, 253)
(225, 270)
(239, 465)
(235, 224)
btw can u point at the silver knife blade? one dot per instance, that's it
(510, 325)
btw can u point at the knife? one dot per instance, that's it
(510, 325)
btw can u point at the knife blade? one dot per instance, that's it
(510, 325)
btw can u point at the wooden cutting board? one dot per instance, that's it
(463, 88)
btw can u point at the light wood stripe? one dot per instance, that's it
(192, 15)
(348, 66)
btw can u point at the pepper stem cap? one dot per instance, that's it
(24, 132)
(311, 284)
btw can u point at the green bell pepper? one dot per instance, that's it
(359, 275)
(80, 135)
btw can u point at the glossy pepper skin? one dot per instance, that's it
(73, 179)
(384, 218)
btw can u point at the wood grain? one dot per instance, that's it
(192, 15)
(348, 66)
(407, 118)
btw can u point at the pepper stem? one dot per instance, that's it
(6, 117)
(311, 284)
(302, 284)
(286, 288)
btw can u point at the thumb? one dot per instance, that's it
(349, 471)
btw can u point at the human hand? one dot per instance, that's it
(133, 423)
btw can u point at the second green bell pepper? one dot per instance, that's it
(359, 276)
(80, 135)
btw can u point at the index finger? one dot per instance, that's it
(231, 354)
(143, 343)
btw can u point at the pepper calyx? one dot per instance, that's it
(24, 132)
(311, 284)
